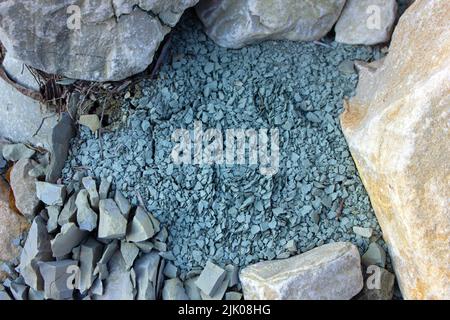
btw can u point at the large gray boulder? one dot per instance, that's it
(237, 23)
(90, 40)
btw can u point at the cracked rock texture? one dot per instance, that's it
(101, 41)
(235, 24)
(399, 138)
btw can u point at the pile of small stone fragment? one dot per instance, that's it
(235, 214)
(90, 243)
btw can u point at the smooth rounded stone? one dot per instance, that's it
(24, 188)
(328, 272)
(86, 217)
(16, 152)
(111, 41)
(51, 194)
(56, 275)
(235, 24)
(174, 290)
(399, 141)
(112, 224)
(374, 255)
(366, 22)
(69, 237)
(12, 226)
(37, 248)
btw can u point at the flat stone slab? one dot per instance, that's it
(329, 272)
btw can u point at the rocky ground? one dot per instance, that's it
(235, 214)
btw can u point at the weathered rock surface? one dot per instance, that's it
(23, 119)
(141, 227)
(24, 188)
(95, 40)
(234, 24)
(12, 225)
(332, 271)
(399, 138)
(366, 22)
(36, 249)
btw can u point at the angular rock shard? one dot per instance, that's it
(57, 278)
(69, 237)
(112, 224)
(328, 272)
(399, 138)
(147, 268)
(86, 217)
(37, 248)
(211, 278)
(68, 213)
(90, 254)
(141, 227)
(51, 194)
(91, 186)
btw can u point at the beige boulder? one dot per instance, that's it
(12, 225)
(397, 128)
(329, 272)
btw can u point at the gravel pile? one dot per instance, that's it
(234, 214)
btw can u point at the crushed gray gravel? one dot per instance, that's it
(234, 214)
